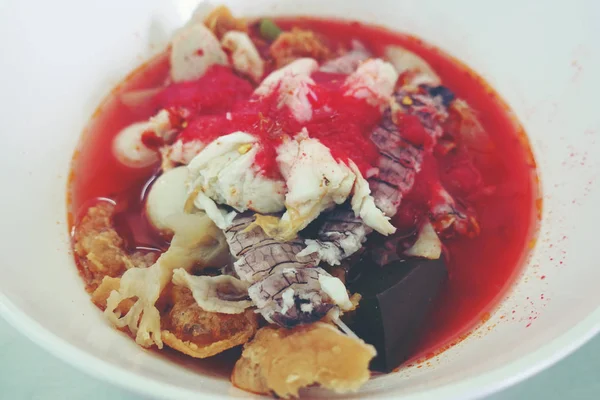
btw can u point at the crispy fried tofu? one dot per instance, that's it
(100, 249)
(295, 44)
(191, 330)
(283, 361)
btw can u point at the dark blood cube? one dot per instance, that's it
(395, 301)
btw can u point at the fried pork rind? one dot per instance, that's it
(196, 242)
(100, 249)
(104, 290)
(220, 21)
(199, 333)
(283, 361)
(298, 43)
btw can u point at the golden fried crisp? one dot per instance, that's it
(103, 290)
(283, 361)
(191, 330)
(295, 44)
(197, 242)
(220, 21)
(100, 249)
(143, 259)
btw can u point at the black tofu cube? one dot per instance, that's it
(395, 300)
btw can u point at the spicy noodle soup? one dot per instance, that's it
(294, 185)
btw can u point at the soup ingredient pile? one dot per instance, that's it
(280, 155)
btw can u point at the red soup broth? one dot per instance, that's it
(480, 269)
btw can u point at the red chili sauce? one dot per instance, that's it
(501, 188)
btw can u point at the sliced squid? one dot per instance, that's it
(193, 50)
(140, 99)
(129, 147)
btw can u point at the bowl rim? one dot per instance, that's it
(475, 387)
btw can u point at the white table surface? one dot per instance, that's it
(28, 372)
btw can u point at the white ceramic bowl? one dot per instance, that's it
(61, 57)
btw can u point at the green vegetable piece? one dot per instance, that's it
(269, 29)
